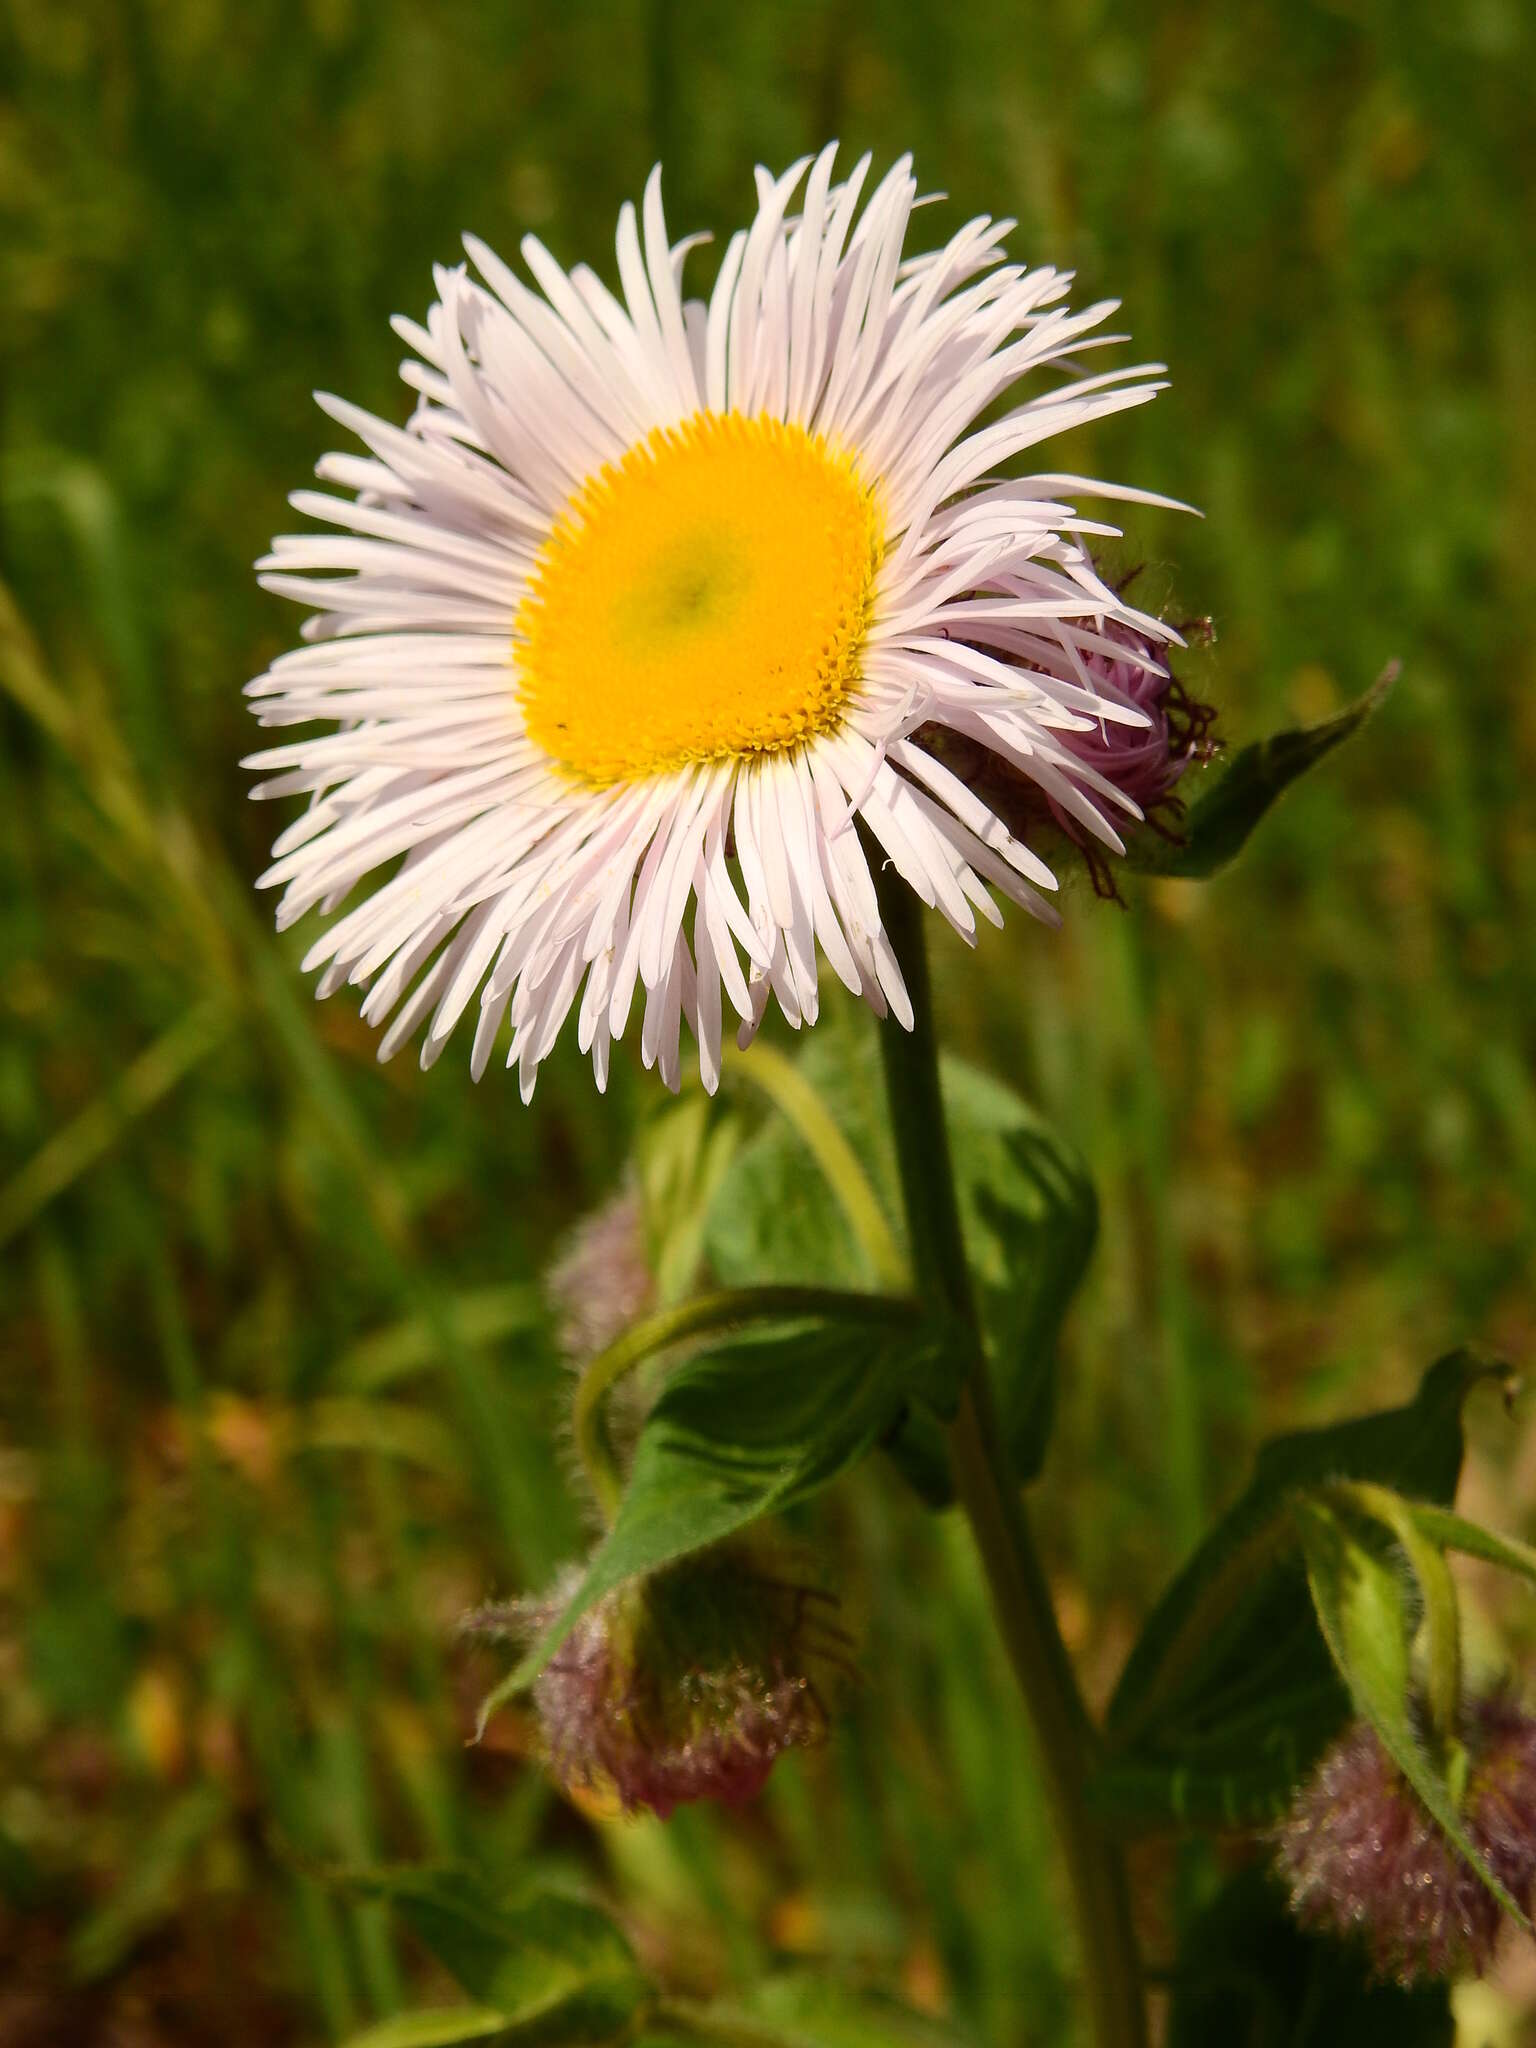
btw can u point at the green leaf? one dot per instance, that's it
(551, 1969)
(1454, 1532)
(1367, 1621)
(1027, 1207)
(1030, 1217)
(436, 2027)
(1222, 817)
(795, 2010)
(822, 2015)
(774, 1219)
(1248, 1977)
(1230, 1692)
(683, 1153)
(151, 1888)
(746, 1428)
(21, 1882)
(406, 1430)
(480, 1317)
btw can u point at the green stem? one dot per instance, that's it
(704, 1315)
(989, 1496)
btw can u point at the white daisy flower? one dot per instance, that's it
(640, 611)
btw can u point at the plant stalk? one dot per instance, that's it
(989, 1496)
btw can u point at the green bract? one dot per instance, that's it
(1223, 815)
(1230, 1691)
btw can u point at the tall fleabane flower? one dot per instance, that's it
(640, 612)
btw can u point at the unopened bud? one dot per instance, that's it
(687, 1685)
(602, 1281)
(1144, 762)
(1362, 1854)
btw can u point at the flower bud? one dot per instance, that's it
(1362, 1855)
(1144, 762)
(602, 1280)
(687, 1685)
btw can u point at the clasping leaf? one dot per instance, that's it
(1221, 819)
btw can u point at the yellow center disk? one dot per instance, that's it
(706, 598)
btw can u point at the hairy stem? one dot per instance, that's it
(989, 1496)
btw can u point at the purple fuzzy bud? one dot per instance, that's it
(1144, 762)
(688, 1685)
(1363, 1856)
(602, 1280)
(1141, 761)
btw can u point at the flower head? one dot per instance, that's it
(1362, 1855)
(687, 1685)
(651, 601)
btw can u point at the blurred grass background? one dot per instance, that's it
(278, 1393)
